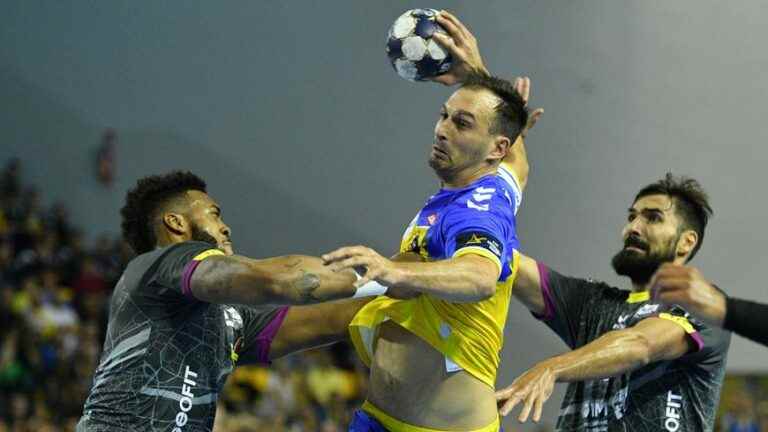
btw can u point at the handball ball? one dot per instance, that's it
(413, 53)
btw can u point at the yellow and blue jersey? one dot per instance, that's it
(478, 219)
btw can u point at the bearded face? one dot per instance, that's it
(638, 261)
(651, 237)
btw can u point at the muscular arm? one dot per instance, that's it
(517, 158)
(313, 326)
(287, 280)
(468, 278)
(616, 352)
(619, 351)
(527, 287)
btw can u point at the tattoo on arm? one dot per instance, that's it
(305, 286)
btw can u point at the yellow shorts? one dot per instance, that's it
(394, 425)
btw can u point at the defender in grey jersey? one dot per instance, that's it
(636, 365)
(186, 311)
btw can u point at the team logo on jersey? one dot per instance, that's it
(415, 240)
(481, 240)
(232, 318)
(432, 218)
(621, 323)
(479, 197)
(647, 309)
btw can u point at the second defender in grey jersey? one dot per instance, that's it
(636, 365)
(677, 395)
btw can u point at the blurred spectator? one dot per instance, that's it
(10, 183)
(89, 280)
(105, 157)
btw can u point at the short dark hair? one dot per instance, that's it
(511, 114)
(149, 196)
(692, 203)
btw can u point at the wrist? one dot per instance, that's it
(399, 274)
(479, 71)
(720, 316)
(555, 366)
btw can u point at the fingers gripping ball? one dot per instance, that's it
(413, 53)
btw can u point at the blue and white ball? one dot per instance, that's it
(413, 53)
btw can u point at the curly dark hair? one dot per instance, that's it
(692, 203)
(142, 203)
(511, 113)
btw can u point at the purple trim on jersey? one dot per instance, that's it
(264, 340)
(186, 278)
(546, 293)
(699, 341)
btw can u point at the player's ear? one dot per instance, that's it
(175, 223)
(687, 242)
(501, 146)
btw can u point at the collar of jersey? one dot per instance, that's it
(509, 170)
(639, 297)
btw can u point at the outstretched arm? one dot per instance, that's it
(517, 157)
(527, 287)
(614, 353)
(287, 280)
(687, 287)
(467, 278)
(312, 326)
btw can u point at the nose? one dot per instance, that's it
(633, 228)
(440, 130)
(226, 231)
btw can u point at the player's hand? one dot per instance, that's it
(377, 267)
(523, 88)
(687, 287)
(532, 388)
(463, 48)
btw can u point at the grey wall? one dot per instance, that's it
(310, 140)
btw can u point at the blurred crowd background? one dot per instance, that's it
(54, 293)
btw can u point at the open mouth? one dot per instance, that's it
(437, 151)
(636, 245)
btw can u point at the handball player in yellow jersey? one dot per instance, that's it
(434, 357)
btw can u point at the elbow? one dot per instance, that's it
(484, 290)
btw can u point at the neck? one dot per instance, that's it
(646, 286)
(166, 239)
(467, 177)
(640, 287)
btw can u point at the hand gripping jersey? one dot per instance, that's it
(680, 395)
(478, 219)
(166, 355)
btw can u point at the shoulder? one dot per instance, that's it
(172, 259)
(598, 290)
(487, 197)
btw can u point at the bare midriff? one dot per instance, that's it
(409, 382)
